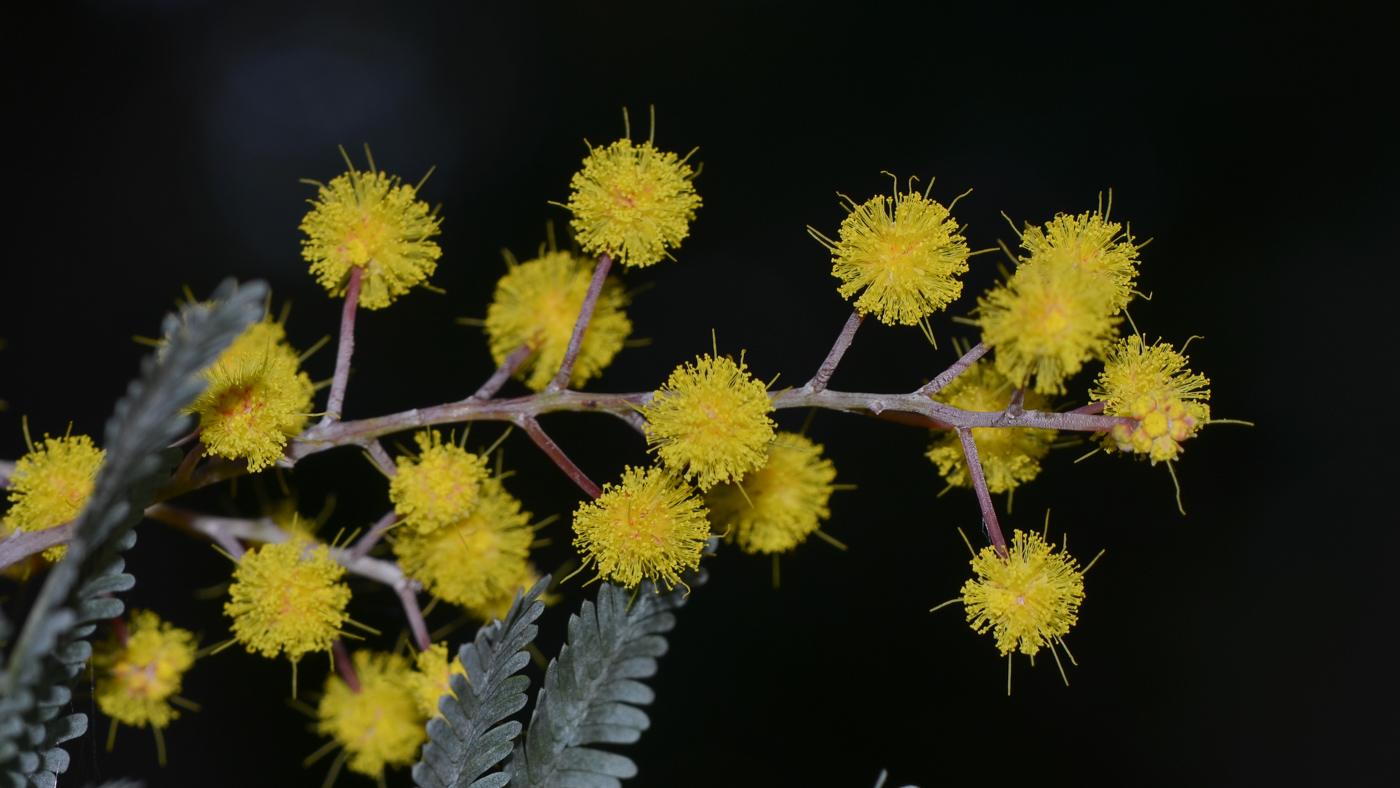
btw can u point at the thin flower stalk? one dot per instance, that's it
(843, 342)
(979, 483)
(585, 314)
(346, 349)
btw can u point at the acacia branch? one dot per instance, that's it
(979, 483)
(503, 373)
(585, 314)
(346, 349)
(960, 366)
(547, 444)
(843, 342)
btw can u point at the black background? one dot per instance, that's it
(154, 144)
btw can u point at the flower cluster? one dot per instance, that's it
(904, 251)
(710, 421)
(429, 680)
(137, 674)
(379, 724)
(474, 559)
(256, 397)
(1059, 310)
(51, 484)
(287, 597)
(650, 526)
(633, 202)
(537, 303)
(1010, 456)
(438, 486)
(1029, 598)
(1152, 385)
(779, 505)
(371, 221)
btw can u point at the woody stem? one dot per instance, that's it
(537, 434)
(979, 483)
(585, 314)
(843, 341)
(347, 346)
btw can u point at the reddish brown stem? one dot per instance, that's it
(368, 541)
(557, 454)
(336, 402)
(503, 373)
(585, 314)
(843, 341)
(1018, 401)
(182, 474)
(408, 595)
(1092, 408)
(979, 483)
(376, 452)
(946, 376)
(345, 666)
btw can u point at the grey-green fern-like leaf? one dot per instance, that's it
(52, 646)
(591, 692)
(466, 740)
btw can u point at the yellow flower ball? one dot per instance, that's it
(780, 504)
(1029, 599)
(710, 423)
(135, 679)
(51, 484)
(438, 486)
(378, 725)
(370, 221)
(429, 679)
(1010, 455)
(1091, 244)
(650, 526)
(632, 202)
(1152, 384)
(904, 252)
(537, 303)
(473, 560)
(287, 597)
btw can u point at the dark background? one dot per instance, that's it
(153, 145)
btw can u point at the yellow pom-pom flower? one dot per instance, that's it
(1046, 322)
(380, 724)
(1091, 244)
(437, 487)
(633, 202)
(1152, 384)
(1010, 455)
(781, 504)
(1029, 599)
(287, 598)
(537, 303)
(135, 679)
(429, 679)
(651, 526)
(371, 221)
(256, 398)
(51, 484)
(475, 559)
(904, 251)
(710, 421)
(495, 608)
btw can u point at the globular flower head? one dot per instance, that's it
(1153, 385)
(371, 221)
(429, 680)
(255, 398)
(1046, 322)
(287, 598)
(136, 678)
(633, 202)
(780, 504)
(438, 486)
(710, 421)
(1028, 599)
(650, 526)
(496, 608)
(1091, 244)
(904, 251)
(51, 484)
(1010, 456)
(475, 559)
(380, 724)
(537, 303)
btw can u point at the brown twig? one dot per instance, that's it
(1091, 408)
(1017, 405)
(843, 341)
(376, 452)
(22, 544)
(502, 373)
(946, 376)
(979, 483)
(345, 666)
(585, 314)
(408, 596)
(369, 540)
(537, 434)
(336, 402)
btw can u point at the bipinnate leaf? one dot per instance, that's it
(466, 740)
(52, 646)
(591, 693)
